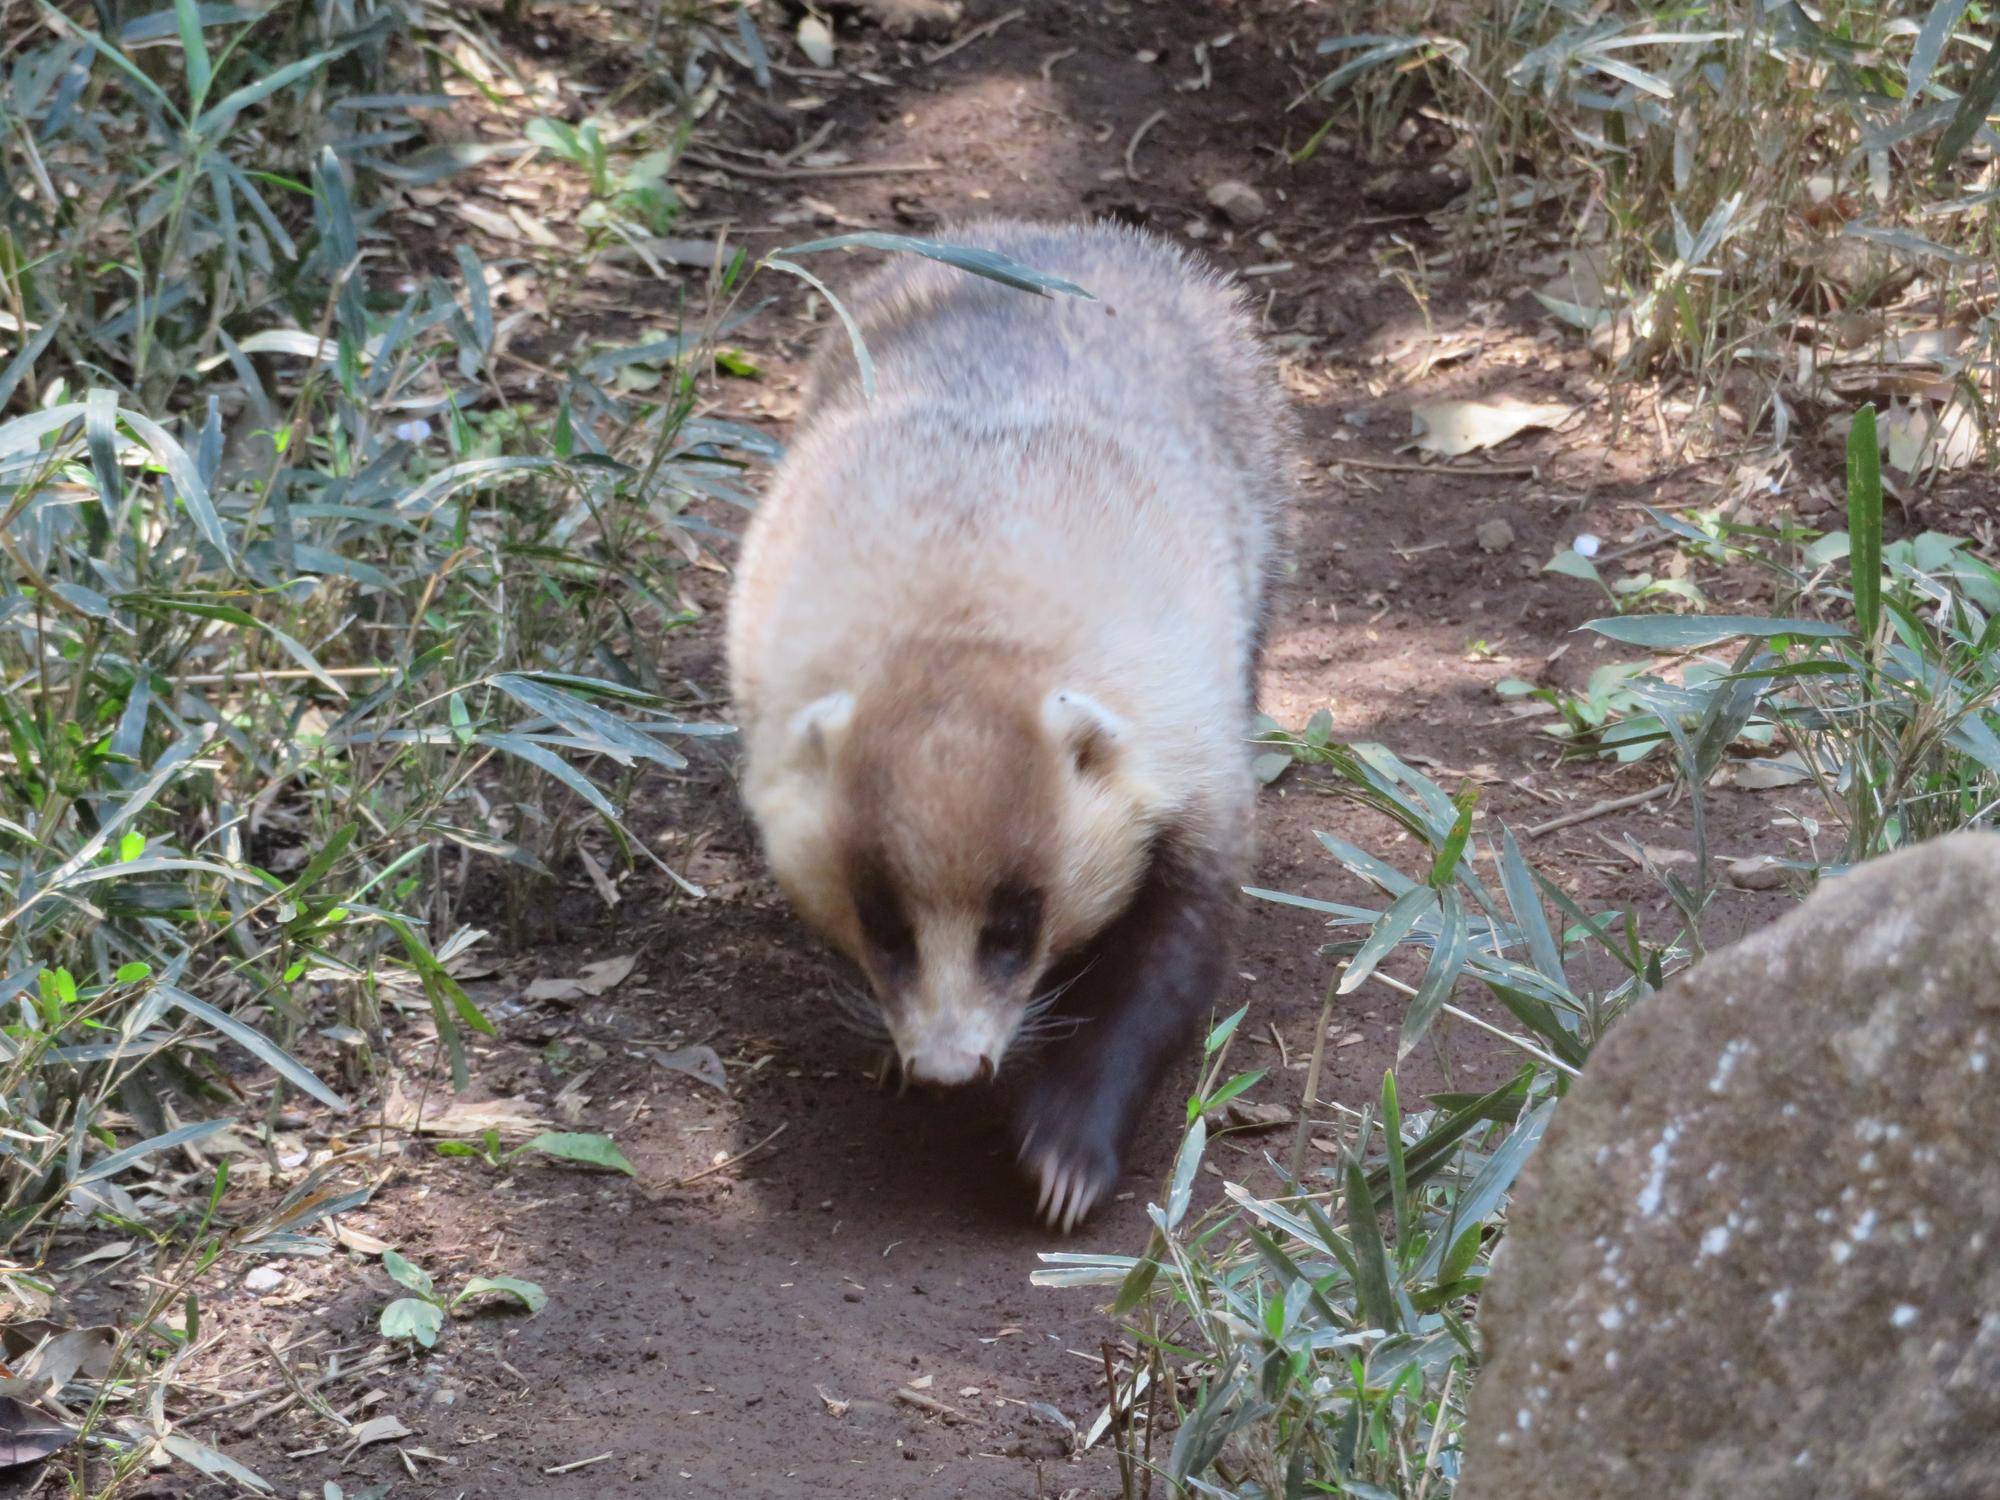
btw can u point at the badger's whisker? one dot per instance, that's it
(1040, 1005)
(858, 1013)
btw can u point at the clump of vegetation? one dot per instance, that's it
(420, 1317)
(1781, 208)
(1323, 1339)
(301, 614)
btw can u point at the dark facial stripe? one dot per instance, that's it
(1011, 930)
(885, 926)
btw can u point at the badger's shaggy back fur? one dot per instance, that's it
(996, 630)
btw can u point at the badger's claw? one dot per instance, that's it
(1072, 1159)
(1069, 1191)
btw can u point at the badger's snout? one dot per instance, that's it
(945, 1053)
(945, 1066)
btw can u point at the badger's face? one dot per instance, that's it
(956, 838)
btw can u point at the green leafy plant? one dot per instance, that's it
(1883, 681)
(1281, 749)
(421, 1316)
(585, 1149)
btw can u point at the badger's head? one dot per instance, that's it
(956, 830)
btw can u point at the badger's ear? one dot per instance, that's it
(817, 730)
(1091, 733)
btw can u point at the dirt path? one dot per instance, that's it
(747, 1335)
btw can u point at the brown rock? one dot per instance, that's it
(1238, 202)
(1749, 1256)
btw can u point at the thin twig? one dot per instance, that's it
(236, 1403)
(1049, 62)
(1598, 810)
(581, 1463)
(1438, 1430)
(1312, 1085)
(811, 174)
(1132, 146)
(930, 1404)
(1120, 1432)
(730, 1161)
(807, 146)
(1476, 471)
(1540, 1054)
(977, 34)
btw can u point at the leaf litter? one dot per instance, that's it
(1450, 429)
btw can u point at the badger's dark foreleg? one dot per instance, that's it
(1137, 997)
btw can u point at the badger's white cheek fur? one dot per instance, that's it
(1104, 858)
(802, 851)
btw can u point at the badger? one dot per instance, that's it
(992, 642)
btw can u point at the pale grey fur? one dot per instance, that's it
(1168, 341)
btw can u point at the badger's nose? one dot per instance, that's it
(943, 1067)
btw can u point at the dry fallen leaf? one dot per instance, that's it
(834, 1406)
(595, 979)
(1916, 437)
(383, 1429)
(1251, 1116)
(607, 973)
(463, 1117)
(1788, 769)
(72, 1354)
(699, 1063)
(27, 1436)
(1451, 428)
(358, 1240)
(816, 41)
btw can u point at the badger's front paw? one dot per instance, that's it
(1070, 1150)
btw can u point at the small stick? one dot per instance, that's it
(1598, 810)
(1508, 1037)
(807, 146)
(977, 34)
(1132, 146)
(1394, 466)
(731, 1161)
(581, 1463)
(1437, 1433)
(930, 1404)
(1120, 1430)
(1312, 1086)
(810, 174)
(1049, 62)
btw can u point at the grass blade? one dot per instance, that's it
(1864, 520)
(987, 263)
(194, 51)
(258, 1045)
(1447, 962)
(864, 362)
(1974, 105)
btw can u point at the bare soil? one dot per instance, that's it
(744, 1329)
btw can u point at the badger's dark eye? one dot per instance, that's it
(885, 928)
(1012, 928)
